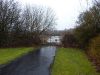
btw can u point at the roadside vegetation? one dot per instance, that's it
(94, 51)
(71, 61)
(86, 34)
(24, 26)
(9, 54)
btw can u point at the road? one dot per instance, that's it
(35, 63)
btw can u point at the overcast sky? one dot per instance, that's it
(67, 11)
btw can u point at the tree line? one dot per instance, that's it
(88, 27)
(23, 27)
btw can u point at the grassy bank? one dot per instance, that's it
(72, 62)
(9, 54)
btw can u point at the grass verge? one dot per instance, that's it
(9, 54)
(70, 61)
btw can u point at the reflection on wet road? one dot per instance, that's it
(35, 63)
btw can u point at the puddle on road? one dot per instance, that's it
(36, 63)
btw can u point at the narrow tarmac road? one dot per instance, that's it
(35, 63)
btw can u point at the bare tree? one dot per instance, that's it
(37, 20)
(9, 18)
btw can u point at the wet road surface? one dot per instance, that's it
(35, 63)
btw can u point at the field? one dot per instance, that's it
(69, 61)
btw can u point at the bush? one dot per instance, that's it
(94, 49)
(69, 40)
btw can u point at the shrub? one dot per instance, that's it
(69, 40)
(94, 49)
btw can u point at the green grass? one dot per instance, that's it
(70, 61)
(9, 54)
